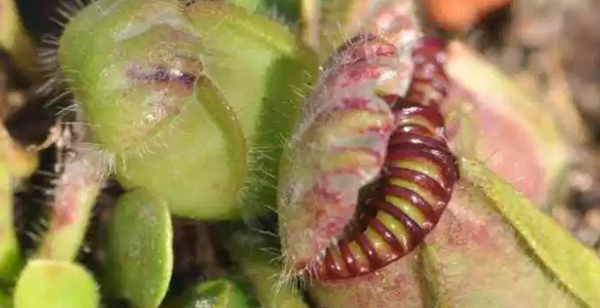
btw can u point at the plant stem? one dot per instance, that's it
(264, 275)
(78, 187)
(10, 255)
(14, 38)
(311, 16)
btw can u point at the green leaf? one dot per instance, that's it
(139, 255)
(5, 300)
(576, 266)
(55, 284)
(14, 38)
(264, 82)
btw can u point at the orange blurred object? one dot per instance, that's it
(460, 15)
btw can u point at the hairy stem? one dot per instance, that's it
(78, 187)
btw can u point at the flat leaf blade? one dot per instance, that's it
(139, 257)
(576, 266)
(55, 284)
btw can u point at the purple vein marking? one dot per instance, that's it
(161, 75)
